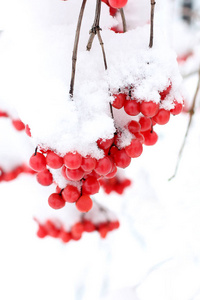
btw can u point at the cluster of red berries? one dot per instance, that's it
(14, 173)
(148, 114)
(83, 173)
(49, 228)
(17, 123)
(115, 184)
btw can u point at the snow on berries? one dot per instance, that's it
(84, 137)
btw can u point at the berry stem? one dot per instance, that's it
(103, 50)
(123, 19)
(152, 23)
(36, 149)
(96, 30)
(95, 27)
(75, 49)
(191, 113)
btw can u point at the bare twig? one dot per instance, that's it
(152, 23)
(95, 30)
(123, 19)
(102, 47)
(191, 113)
(74, 55)
(95, 27)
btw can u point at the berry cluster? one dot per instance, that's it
(148, 114)
(14, 173)
(17, 123)
(82, 173)
(115, 184)
(49, 228)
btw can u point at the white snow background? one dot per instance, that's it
(156, 252)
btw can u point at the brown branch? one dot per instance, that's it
(95, 30)
(152, 23)
(123, 19)
(95, 27)
(103, 50)
(75, 49)
(191, 113)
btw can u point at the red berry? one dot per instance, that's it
(119, 100)
(75, 174)
(94, 174)
(105, 144)
(149, 109)
(58, 189)
(53, 160)
(72, 160)
(103, 230)
(164, 93)
(134, 149)
(121, 159)
(88, 163)
(105, 1)
(117, 3)
(116, 30)
(52, 230)
(162, 117)
(113, 150)
(70, 194)
(113, 11)
(132, 107)
(88, 226)
(65, 236)
(113, 225)
(139, 137)
(28, 130)
(56, 201)
(177, 108)
(18, 124)
(45, 177)
(134, 126)
(77, 230)
(42, 232)
(37, 162)
(104, 166)
(84, 203)
(3, 114)
(150, 137)
(63, 172)
(145, 123)
(90, 186)
(112, 173)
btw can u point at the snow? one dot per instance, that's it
(155, 252)
(38, 63)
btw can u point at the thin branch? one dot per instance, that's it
(103, 50)
(152, 23)
(95, 30)
(191, 113)
(123, 19)
(95, 27)
(75, 50)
